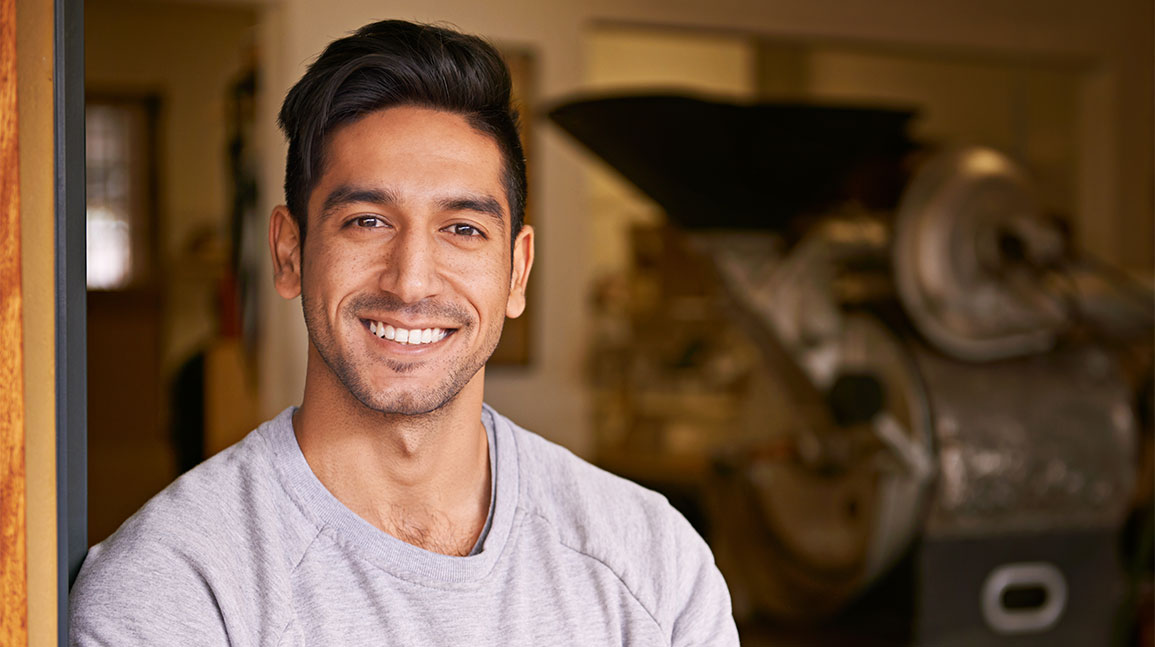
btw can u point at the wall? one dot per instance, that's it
(1115, 179)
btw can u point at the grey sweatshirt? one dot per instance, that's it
(250, 548)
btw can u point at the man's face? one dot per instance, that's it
(406, 277)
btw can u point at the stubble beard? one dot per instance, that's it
(352, 371)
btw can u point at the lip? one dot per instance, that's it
(409, 349)
(407, 325)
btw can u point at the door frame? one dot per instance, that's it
(13, 469)
(71, 308)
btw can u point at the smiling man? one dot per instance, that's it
(393, 507)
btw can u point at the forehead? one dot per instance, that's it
(412, 150)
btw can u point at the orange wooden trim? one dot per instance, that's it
(13, 553)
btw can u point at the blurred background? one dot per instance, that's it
(864, 288)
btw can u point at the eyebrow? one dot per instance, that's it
(483, 204)
(344, 195)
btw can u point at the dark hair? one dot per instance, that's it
(394, 63)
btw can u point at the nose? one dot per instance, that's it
(411, 267)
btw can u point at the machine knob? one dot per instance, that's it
(856, 398)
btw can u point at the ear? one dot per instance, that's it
(519, 278)
(285, 247)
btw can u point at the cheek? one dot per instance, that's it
(497, 291)
(331, 274)
(338, 262)
(485, 285)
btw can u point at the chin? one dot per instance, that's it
(399, 394)
(403, 404)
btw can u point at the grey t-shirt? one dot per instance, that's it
(250, 548)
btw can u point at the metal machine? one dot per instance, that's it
(923, 333)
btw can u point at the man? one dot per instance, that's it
(393, 507)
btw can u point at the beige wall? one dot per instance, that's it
(1115, 179)
(188, 55)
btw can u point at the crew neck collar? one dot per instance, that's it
(399, 558)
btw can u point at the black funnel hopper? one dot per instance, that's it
(712, 164)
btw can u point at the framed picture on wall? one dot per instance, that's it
(515, 346)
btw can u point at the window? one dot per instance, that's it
(119, 162)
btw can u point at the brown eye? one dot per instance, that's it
(368, 222)
(462, 229)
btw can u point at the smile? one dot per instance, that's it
(412, 337)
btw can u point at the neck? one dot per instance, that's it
(424, 479)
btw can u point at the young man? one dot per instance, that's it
(393, 507)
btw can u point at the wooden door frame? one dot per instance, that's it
(13, 489)
(60, 296)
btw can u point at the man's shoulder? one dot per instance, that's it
(202, 504)
(634, 532)
(622, 526)
(224, 525)
(576, 495)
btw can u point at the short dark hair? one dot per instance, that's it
(397, 63)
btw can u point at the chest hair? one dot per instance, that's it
(428, 529)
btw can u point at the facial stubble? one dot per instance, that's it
(352, 371)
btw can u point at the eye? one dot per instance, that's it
(368, 222)
(462, 229)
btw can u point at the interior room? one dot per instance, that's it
(865, 290)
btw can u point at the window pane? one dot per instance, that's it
(109, 186)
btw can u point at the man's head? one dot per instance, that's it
(406, 171)
(397, 63)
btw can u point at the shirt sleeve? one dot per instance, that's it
(143, 594)
(702, 613)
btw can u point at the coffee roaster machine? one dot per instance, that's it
(954, 426)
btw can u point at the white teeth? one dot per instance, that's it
(404, 336)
